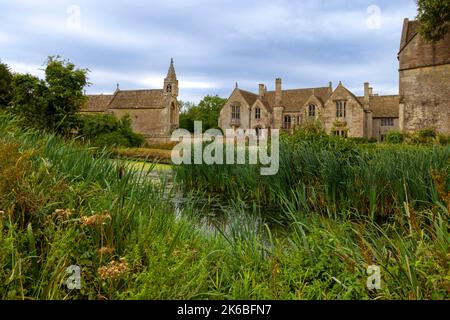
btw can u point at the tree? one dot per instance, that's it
(29, 100)
(434, 18)
(207, 111)
(65, 85)
(5, 85)
(51, 104)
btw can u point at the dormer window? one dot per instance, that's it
(312, 110)
(258, 113)
(341, 109)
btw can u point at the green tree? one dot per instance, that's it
(65, 85)
(434, 17)
(207, 111)
(5, 85)
(29, 100)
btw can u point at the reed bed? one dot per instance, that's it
(64, 204)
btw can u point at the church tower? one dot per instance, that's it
(171, 82)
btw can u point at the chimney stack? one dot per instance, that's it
(366, 92)
(278, 92)
(330, 86)
(262, 90)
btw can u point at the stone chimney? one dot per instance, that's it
(278, 92)
(262, 90)
(367, 92)
(330, 87)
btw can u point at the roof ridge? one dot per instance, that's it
(305, 89)
(247, 91)
(134, 90)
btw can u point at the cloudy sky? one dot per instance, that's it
(215, 43)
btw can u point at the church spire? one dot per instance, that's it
(171, 73)
(171, 82)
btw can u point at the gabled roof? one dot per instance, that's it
(138, 99)
(417, 52)
(265, 103)
(385, 106)
(349, 92)
(410, 30)
(249, 97)
(97, 103)
(294, 100)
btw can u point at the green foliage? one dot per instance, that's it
(52, 104)
(65, 85)
(443, 139)
(394, 136)
(434, 18)
(5, 85)
(132, 243)
(106, 130)
(207, 111)
(30, 100)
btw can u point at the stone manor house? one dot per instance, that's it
(423, 102)
(154, 112)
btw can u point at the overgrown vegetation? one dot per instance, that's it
(53, 104)
(107, 130)
(59, 207)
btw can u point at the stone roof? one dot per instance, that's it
(249, 97)
(138, 99)
(294, 100)
(97, 103)
(416, 52)
(410, 29)
(383, 106)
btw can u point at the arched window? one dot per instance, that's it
(169, 88)
(258, 113)
(312, 110)
(172, 114)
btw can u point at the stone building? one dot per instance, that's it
(154, 113)
(338, 109)
(424, 81)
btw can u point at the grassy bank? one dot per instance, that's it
(61, 206)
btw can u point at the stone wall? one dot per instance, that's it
(225, 121)
(152, 123)
(355, 117)
(379, 131)
(425, 98)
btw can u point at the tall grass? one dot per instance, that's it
(319, 177)
(65, 204)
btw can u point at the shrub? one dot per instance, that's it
(443, 139)
(106, 130)
(394, 136)
(425, 136)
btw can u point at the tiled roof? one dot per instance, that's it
(138, 99)
(294, 100)
(385, 106)
(249, 97)
(97, 103)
